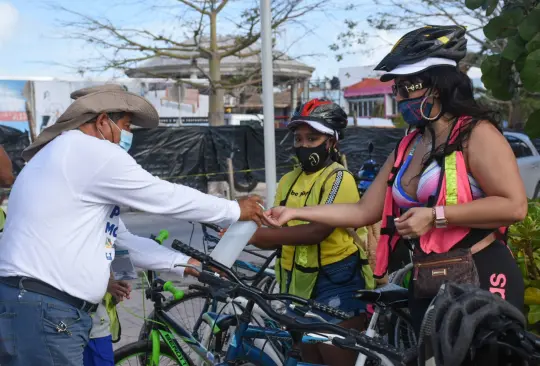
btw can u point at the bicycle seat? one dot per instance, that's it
(389, 294)
(219, 323)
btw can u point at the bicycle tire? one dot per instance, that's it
(188, 295)
(142, 347)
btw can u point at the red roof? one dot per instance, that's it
(368, 86)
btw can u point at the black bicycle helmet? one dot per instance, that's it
(322, 111)
(462, 314)
(431, 41)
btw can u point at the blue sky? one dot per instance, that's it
(33, 44)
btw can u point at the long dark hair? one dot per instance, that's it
(456, 95)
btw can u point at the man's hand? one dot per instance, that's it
(119, 290)
(251, 208)
(189, 271)
(193, 272)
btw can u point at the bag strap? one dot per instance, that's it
(336, 170)
(357, 240)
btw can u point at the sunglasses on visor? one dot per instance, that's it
(404, 88)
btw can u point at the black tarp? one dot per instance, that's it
(196, 155)
(14, 142)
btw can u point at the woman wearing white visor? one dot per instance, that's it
(318, 261)
(452, 185)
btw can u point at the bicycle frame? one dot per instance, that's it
(253, 268)
(238, 348)
(371, 330)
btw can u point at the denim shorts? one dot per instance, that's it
(336, 286)
(99, 352)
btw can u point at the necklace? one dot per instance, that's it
(427, 142)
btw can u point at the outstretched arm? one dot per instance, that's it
(146, 253)
(366, 212)
(307, 234)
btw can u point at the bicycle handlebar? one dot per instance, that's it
(169, 287)
(206, 260)
(213, 227)
(290, 323)
(162, 236)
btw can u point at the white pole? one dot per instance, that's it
(268, 102)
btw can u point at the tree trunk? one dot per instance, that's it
(242, 98)
(216, 106)
(515, 119)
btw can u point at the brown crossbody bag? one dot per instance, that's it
(432, 270)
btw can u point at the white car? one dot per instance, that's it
(528, 160)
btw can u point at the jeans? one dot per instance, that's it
(32, 331)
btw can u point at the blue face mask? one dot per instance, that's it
(410, 110)
(126, 137)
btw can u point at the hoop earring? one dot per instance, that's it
(422, 111)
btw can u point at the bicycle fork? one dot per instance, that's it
(371, 333)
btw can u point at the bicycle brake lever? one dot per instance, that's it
(187, 265)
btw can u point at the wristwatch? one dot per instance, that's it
(438, 214)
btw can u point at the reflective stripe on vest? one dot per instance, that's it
(450, 172)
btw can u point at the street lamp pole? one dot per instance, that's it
(268, 102)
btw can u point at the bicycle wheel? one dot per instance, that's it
(140, 352)
(396, 329)
(186, 312)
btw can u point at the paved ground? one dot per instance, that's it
(133, 311)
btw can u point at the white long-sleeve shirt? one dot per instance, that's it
(144, 253)
(147, 254)
(64, 212)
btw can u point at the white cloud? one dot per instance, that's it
(9, 17)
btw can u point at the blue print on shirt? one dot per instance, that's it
(111, 229)
(115, 212)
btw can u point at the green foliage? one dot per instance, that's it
(532, 127)
(518, 64)
(497, 76)
(524, 240)
(399, 122)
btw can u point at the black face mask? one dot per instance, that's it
(313, 159)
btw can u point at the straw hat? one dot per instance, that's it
(90, 103)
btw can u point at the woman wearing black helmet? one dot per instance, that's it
(318, 261)
(452, 185)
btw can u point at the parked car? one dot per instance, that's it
(528, 160)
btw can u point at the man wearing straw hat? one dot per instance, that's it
(59, 237)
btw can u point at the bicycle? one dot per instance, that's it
(162, 341)
(384, 318)
(189, 309)
(390, 302)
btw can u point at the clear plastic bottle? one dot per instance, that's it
(233, 242)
